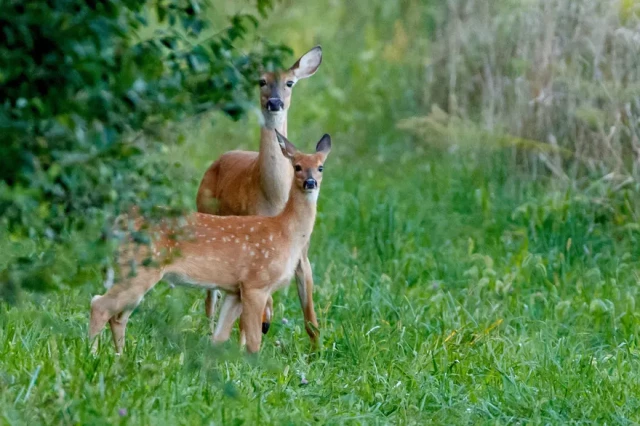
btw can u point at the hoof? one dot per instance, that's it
(265, 327)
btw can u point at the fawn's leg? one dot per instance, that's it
(210, 303)
(304, 279)
(253, 304)
(267, 315)
(122, 298)
(229, 313)
(118, 325)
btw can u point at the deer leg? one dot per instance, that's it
(98, 319)
(117, 304)
(304, 280)
(229, 313)
(118, 325)
(267, 315)
(253, 305)
(210, 303)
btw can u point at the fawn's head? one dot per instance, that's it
(276, 87)
(307, 168)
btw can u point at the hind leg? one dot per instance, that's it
(118, 325)
(98, 319)
(117, 304)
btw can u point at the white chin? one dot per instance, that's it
(273, 118)
(312, 195)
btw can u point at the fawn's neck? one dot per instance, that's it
(274, 169)
(300, 214)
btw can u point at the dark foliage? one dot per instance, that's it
(85, 106)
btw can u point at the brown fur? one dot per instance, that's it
(248, 257)
(257, 183)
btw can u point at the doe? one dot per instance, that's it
(257, 183)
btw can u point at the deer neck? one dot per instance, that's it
(300, 215)
(277, 122)
(275, 171)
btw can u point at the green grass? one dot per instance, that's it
(451, 286)
(436, 303)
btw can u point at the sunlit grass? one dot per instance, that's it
(434, 304)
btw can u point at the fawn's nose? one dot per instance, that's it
(310, 184)
(275, 104)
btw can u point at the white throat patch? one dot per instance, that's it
(312, 195)
(273, 120)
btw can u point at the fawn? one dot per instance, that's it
(257, 183)
(247, 257)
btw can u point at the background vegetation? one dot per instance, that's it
(475, 254)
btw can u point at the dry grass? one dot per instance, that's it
(563, 73)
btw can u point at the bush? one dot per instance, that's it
(87, 105)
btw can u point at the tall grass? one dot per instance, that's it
(559, 78)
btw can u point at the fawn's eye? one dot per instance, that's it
(263, 82)
(289, 83)
(298, 168)
(320, 169)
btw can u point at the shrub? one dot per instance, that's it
(87, 105)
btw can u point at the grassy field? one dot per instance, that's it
(443, 294)
(452, 287)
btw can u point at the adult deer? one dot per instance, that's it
(257, 183)
(248, 257)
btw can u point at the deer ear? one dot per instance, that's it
(288, 149)
(324, 145)
(308, 63)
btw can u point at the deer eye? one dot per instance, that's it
(289, 83)
(298, 168)
(263, 82)
(320, 169)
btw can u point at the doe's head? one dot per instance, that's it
(276, 86)
(308, 168)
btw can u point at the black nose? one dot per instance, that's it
(310, 184)
(275, 104)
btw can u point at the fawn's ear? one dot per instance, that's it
(308, 63)
(288, 149)
(324, 145)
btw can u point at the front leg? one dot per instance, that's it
(266, 321)
(304, 279)
(253, 304)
